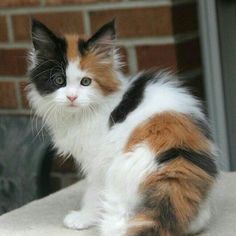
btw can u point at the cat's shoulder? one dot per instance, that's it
(154, 91)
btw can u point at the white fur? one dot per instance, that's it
(113, 177)
(202, 219)
(121, 197)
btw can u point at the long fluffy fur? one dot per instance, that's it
(142, 144)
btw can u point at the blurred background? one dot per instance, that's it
(194, 38)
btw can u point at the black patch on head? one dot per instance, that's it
(51, 59)
(133, 97)
(202, 160)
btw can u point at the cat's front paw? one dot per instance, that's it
(78, 220)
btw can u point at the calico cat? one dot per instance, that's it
(143, 142)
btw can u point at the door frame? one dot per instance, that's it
(213, 78)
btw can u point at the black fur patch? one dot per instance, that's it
(200, 159)
(103, 38)
(106, 33)
(151, 231)
(203, 126)
(50, 57)
(164, 214)
(132, 98)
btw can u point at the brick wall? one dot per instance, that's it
(152, 33)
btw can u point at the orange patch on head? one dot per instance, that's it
(169, 130)
(72, 47)
(101, 67)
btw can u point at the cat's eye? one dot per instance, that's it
(59, 80)
(86, 81)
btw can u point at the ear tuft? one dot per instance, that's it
(105, 36)
(42, 37)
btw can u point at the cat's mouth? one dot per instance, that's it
(72, 105)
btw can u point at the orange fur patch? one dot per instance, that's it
(173, 193)
(72, 47)
(140, 222)
(183, 183)
(96, 62)
(168, 130)
(101, 67)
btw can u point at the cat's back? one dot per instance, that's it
(150, 93)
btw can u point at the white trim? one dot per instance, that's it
(213, 78)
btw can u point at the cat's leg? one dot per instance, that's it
(121, 197)
(202, 220)
(87, 216)
(163, 202)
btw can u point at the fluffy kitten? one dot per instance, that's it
(143, 143)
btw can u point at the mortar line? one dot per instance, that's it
(42, 2)
(181, 2)
(87, 7)
(10, 29)
(18, 95)
(178, 38)
(87, 25)
(132, 60)
(14, 112)
(13, 79)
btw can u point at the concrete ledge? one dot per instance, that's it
(44, 217)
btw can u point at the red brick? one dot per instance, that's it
(188, 55)
(18, 3)
(157, 56)
(185, 18)
(7, 95)
(24, 99)
(3, 29)
(67, 22)
(139, 22)
(178, 58)
(60, 2)
(13, 61)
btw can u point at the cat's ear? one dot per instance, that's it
(104, 38)
(43, 39)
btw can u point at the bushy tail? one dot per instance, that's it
(171, 200)
(164, 222)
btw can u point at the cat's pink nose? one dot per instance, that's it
(72, 98)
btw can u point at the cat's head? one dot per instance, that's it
(70, 72)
